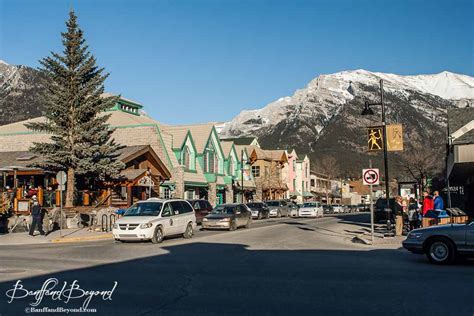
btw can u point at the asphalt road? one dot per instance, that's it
(278, 267)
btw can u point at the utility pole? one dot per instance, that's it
(242, 176)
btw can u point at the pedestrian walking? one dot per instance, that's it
(398, 210)
(37, 217)
(438, 203)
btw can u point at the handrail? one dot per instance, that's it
(101, 202)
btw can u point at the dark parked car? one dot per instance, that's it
(327, 209)
(228, 216)
(201, 208)
(259, 210)
(380, 212)
(442, 244)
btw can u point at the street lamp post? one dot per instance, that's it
(368, 111)
(242, 176)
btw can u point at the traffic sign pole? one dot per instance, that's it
(61, 177)
(371, 207)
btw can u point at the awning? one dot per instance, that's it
(307, 194)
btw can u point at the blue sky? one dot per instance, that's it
(206, 60)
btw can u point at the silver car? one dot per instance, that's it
(278, 208)
(442, 244)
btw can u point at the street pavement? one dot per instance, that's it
(277, 267)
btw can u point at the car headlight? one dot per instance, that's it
(146, 225)
(224, 220)
(116, 226)
(204, 219)
(414, 235)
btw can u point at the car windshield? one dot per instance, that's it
(309, 204)
(254, 205)
(273, 203)
(223, 210)
(144, 209)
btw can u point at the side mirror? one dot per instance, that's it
(238, 212)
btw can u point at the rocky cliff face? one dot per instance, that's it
(21, 91)
(324, 118)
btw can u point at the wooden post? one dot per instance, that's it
(129, 195)
(85, 200)
(40, 195)
(58, 197)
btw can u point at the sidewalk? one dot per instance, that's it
(68, 235)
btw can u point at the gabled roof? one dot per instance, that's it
(200, 133)
(265, 154)
(227, 147)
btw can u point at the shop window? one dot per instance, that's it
(165, 193)
(256, 171)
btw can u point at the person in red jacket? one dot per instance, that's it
(428, 203)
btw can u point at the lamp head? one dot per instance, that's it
(367, 110)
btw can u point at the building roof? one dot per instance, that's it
(200, 133)
(246, 141)
(117, 119)
(108, 95)
(226, 147)
(266, 154)
(460, 122)
(18, 160)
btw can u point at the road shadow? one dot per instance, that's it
(229, 279)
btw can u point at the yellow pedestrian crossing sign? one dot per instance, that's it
(395, 137)
(375, 140)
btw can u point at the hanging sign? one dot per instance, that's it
(146, 182)
(395, 137)
(375, 138)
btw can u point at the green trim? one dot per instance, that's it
(196, 184)
(190, 171)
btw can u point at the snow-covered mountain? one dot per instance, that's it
(324, 117)
(21, 89)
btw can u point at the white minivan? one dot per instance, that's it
(154, 219)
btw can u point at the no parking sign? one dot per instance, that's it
(370, 176)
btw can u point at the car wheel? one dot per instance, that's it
(158, 235)
(441, 251)
(188, 233)
(233, 225)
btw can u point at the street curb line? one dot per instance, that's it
(360, 240)
(79, 239)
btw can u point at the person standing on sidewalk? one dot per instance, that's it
(398, 210)
(428, 204)
(37, 217)
(413, 214)
(438, 203)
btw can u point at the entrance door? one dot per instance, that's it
(220, 198)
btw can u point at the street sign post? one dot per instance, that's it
(61, 177)
(370, 177)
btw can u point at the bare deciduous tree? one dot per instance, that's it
(422, 162)
(329, 167)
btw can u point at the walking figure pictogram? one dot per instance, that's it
(375, 139)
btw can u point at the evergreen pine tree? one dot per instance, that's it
(81, 141)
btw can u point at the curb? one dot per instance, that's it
(79, 239)
(360, 240)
